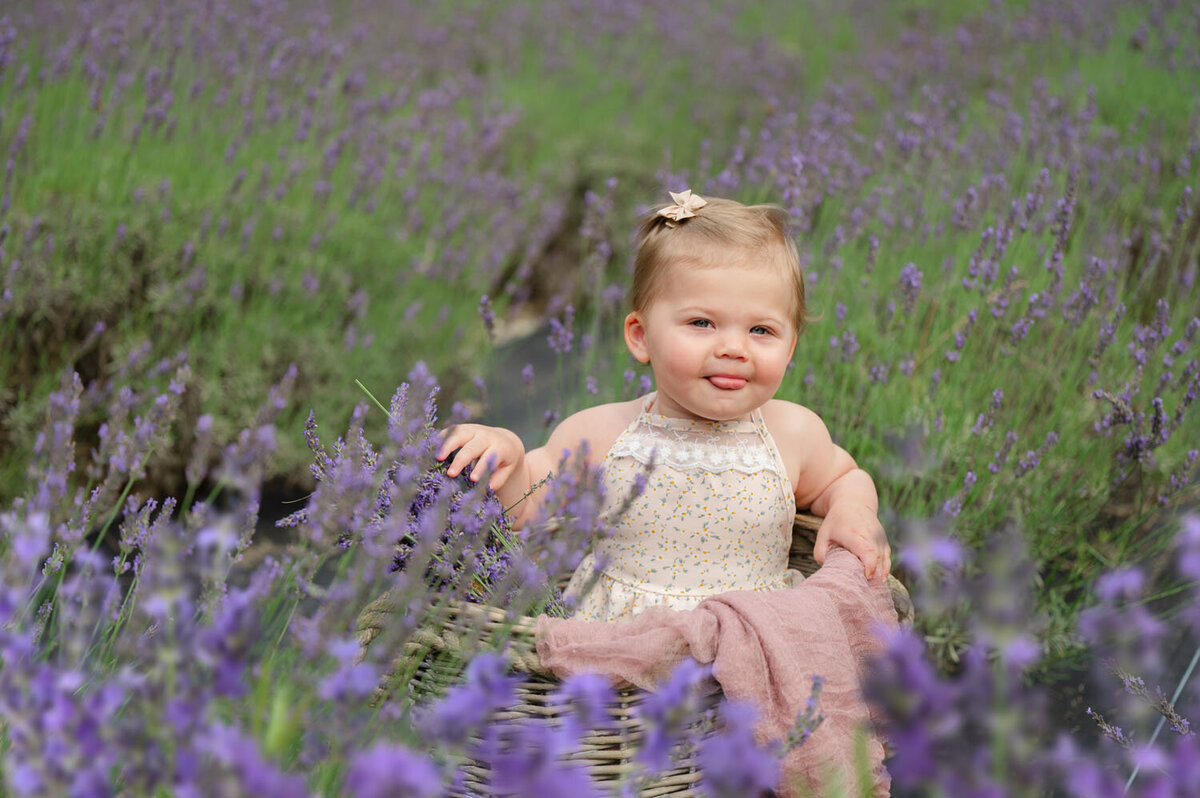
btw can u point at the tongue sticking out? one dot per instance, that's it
(727, 383)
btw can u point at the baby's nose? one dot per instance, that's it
(731, 345)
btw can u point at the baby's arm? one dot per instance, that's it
(832, 485)
(850, 506)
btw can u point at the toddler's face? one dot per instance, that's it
(718, 339)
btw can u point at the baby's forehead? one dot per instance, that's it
(719, 253)
(732, 258)
(687, 282)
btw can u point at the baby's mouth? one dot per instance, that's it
(727, 382)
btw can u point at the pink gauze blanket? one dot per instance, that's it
(765, 648)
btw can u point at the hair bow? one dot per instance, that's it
(685, 207)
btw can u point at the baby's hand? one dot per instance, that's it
(497, 450)
(856, 528)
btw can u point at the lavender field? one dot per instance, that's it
(221, 221)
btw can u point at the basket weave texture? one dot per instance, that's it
(433, 660)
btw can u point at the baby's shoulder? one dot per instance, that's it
(799, 433)
(787, 419)
(595, 427)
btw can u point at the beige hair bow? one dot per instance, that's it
(685, 207)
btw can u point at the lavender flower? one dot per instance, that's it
(255, 774)
(847, 343)
(588, 696)
(910, 285)
(386, 769)
(666, 712)
(465, 708)
(985, 420)
(471, 530)
(1001, 456)
(488, 315)
(562, 331)
(732, 763)
(351, 680)
(526, 760)
(1033, 457)
(878, 373)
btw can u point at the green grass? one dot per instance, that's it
(82, 187)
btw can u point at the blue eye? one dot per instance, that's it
(700, 323)
(760, 330)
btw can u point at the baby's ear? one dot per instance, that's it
(635, 337)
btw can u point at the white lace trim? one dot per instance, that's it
(612, 599)
(695, 449)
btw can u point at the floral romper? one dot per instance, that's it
(716, 515)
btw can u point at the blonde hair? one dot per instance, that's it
(662, 242)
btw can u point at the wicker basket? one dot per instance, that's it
(432, 661)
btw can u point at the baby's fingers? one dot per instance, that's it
(870, 561)
(878, 558)
(467, 453)
(821, 547)
(487, 461)
(498, 472)
(452, 439)
(867, 552)
(883, 554)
